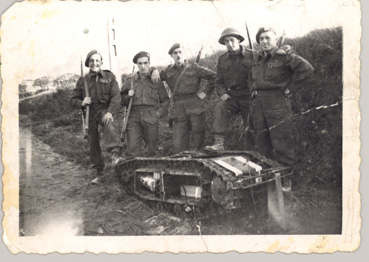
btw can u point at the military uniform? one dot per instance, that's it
(104, 93)
(149, 103)
(232, 79)
(272, 115)
(188, 113)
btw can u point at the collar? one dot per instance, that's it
(181, 66)
(136, 76)
(100, 73)
(271, 52)
(243, 52)
(175, 67)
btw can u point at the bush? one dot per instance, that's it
(317, 132)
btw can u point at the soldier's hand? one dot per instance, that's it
(155, 76)
(107, 117)
(201, 95)
(224, 97)
(86, 101)
(131, 92)
(284, 49)
(287, 93)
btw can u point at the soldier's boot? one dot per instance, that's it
(286, 184)
(116, 158)
(218, 144)
(100, 178)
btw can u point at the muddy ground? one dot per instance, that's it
(56, 197)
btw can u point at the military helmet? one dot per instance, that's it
(230, 31)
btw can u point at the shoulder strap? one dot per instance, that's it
(177, 82)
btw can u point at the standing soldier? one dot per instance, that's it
(275, 75)
(188, 114)
(104, 101)
(150, 102)
(232, 87)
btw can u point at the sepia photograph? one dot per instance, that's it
(181, 126)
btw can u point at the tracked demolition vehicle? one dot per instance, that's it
(197, 179)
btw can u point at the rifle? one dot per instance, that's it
(85, 121)
(127, 111)
(199, 54)
(281, 39)
(248, 36)
(249, 125)
(171, 105)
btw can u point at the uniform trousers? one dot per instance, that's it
(110, 137)
(224, 110)
(272, 116)
(143, 126)
(188, 123)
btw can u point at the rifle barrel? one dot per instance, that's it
(248, 36)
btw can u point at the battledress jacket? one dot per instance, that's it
(280, 71)
(191, 79)
(233, 71)
(103, 90)
(147, 93)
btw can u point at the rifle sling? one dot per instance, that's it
(177, 82)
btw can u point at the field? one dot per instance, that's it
(317, 127)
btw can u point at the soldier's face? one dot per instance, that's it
(232, 43)
(268, 40)
(178, 56)
(143, 65)
(95, 63)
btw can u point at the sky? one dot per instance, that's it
(49, 38)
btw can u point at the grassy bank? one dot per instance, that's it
(317, 131)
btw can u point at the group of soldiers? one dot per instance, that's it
(258, 86)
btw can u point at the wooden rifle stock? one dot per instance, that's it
(127, 111)
(86, 119)
(199, 55)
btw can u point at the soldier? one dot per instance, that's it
(150, 102)
(231, 83)
(188, 113)
(275, 75)
(104, 101)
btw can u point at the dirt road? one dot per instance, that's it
(56, 198)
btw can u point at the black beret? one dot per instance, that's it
(139, 55)
(263, 30)
(90, 54)
(175, 46)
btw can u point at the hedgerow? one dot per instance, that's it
(317, 130)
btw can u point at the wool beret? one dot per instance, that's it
(89, 55)
(263, 30)
(173, 47)
(139, 55)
